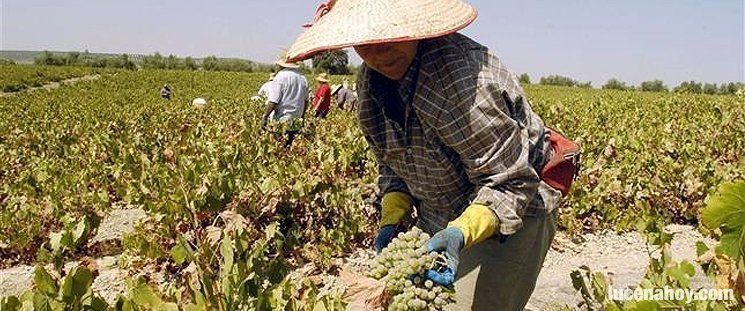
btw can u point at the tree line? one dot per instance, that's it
(153, 61)
(690, 87)
(337, 63)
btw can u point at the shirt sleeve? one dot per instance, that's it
(274, 92)
(317, 98)
(494, 149)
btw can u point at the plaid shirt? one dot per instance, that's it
(456, 130)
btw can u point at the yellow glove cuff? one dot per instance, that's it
(395, 206)
(477, 223)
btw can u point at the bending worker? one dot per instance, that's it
(286, 98)
(455, 136)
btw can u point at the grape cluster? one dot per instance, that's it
(402, 265)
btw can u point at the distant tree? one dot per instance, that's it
(154, 61)
(190, 64)
(126, 63)
(731, 88)
(525, 78)
(710, 88)
(691, 87)
(210, 63)
(305, 69)
(237, 65)
(49, 59)
(172, 62)
(585, 85)
(72, 59)
(334, 62)
(653, 86)
(558, 80)
(99, 62)
(615, 84)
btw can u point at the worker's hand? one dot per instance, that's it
(263, 124)
(477, 223)
(395, 206)
(385, 235)
(447, 242)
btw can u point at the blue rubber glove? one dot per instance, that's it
(385, 235)
(449, 242)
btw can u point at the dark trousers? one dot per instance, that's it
(290, 138)
(321, 114)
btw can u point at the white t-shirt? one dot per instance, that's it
(289, 91)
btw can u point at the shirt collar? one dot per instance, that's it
(407, 85)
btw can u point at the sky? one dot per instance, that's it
(588, 40)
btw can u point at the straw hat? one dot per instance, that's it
(283, 61)
(323, 78)
(335, 88)
(344, 23)
(199, 102)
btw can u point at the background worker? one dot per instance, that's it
(165, 92)
(286, 97)
(322, 99)
(453, 134)
(344, 97)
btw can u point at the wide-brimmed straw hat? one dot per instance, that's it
(345, 23)
(283, 61)
(323, 78)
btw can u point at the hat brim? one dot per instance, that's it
(287, 64)
(319, 79)
(352, 23)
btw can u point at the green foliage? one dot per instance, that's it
(233, 266)
(725, 215)
(75, 233)
(72, 292)
(333, 62)
(679, 149)
(710, 88)
(77, 151)
(689, 87)
(662, 273)
(731, 88)
(653, 86)
(525, 78)
(154, 61)
(6, 61)
(20, 77)
(48, 59)
(615, 84)
(84, 59)
(190, 64)
(212, 63)
(557, 80)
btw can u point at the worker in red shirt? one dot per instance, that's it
(322, 100)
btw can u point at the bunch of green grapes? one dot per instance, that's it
(402, 265)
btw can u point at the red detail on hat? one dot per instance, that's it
(322, 10)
